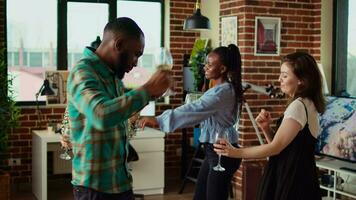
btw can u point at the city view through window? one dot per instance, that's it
(31, 44)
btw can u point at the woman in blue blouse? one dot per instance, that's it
(217, 109)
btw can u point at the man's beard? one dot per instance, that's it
(121, 66)
(120, 73)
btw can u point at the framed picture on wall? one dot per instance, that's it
(229, 30)
(267, 36)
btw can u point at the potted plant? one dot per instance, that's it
(9, 114)
(197, 61)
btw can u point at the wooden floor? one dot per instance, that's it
(61, 190)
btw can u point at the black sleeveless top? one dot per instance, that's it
(292, 174)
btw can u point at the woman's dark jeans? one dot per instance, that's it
(214, 185)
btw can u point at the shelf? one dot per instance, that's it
(333, 168)
(331, 189)
(345, 193)
(337, 191)
(328, 198)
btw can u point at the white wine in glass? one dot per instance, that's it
(218, 136)
(164, 61)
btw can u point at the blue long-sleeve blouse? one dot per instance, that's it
(215, 110)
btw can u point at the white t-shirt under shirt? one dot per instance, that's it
(296, 111)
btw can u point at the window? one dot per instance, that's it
(151, 26)
(30, 36)
(344, 55)
(36, 59)
(40, 40)
(87, 21)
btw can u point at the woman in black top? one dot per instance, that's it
(291, 171)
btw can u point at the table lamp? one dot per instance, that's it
(45, 89)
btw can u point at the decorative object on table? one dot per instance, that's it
(267, 36)
(197, 21)
(57, 81)
(229, 30)
(45, 90)
(197, 61)
(53, 126)
(9, 115)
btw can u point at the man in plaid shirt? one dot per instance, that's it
(99, 110)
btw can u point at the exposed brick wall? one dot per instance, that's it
(20, 143)
(300, 31)
(20, 139)
(181, 42)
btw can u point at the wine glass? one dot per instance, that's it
(218, 136)
(65, 155)
(164, 61)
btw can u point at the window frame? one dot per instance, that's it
(339, 51)
(62, 42)
(62, 31)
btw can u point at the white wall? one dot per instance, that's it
(166, 23)
(211, 9)
(326, 39)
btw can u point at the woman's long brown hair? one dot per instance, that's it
(306, 69)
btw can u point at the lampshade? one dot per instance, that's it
(197, 21)
(46, 89)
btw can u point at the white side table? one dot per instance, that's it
(40, 140)
(147, 172)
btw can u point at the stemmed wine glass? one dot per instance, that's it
(65, 155)
(65, 134)
(134, 126)
(218, 136)
(164, 61)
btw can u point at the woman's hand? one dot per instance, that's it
(147, 121)
(226, 149)
(264, 120)
(133, 119)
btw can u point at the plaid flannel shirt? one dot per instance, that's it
(98, 112)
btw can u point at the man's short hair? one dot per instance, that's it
(124, 25)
